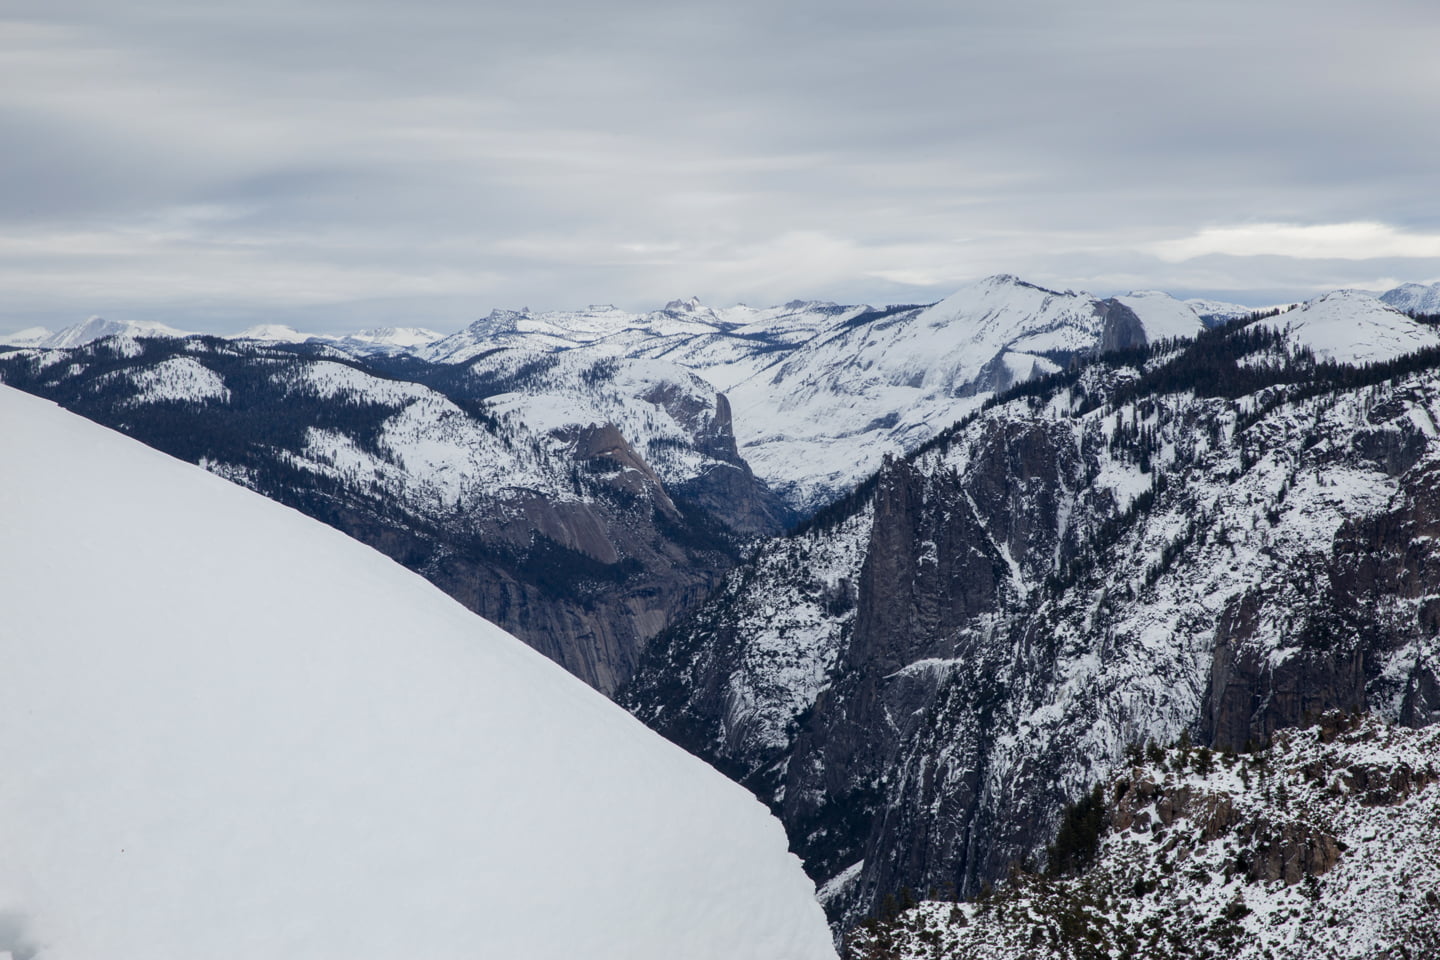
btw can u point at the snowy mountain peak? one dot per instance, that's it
(97, 327)
(498, 321)
(1217, 312)
(687, 305)
(1351, 326)
(1002, 279)
(397, 335)
(273, 333)
(388, 340)
(997, 309)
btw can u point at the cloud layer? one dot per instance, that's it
(333, 163)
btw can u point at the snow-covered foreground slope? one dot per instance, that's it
(229, 731)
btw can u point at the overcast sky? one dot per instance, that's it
(343, 163)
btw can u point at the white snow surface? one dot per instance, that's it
(1220, 309)
(229, 731)
(361, 342)
(824, 417)
(1349, 326)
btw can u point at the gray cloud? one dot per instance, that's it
(213, 165)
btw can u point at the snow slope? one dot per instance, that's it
(229, 731)
(388, 340)
(359, 343)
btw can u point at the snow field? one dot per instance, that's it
(233, 732)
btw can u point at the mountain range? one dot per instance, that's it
(919, 576)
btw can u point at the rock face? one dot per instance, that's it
(1223, 542)
(1122, 328)
(1371, 608)
(939, 569)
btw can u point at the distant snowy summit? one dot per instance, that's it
(1414, 298)
(28, 337)
(394, 338)
(376, 340)
(273, 333)
(95, 328)
(1168, 317)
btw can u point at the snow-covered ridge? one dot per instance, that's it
(822, 416)
(1168, 318)
(178, 379)
(393, 338)
(820, 392)
(351, 765)
(360, 343)
(1349, 326)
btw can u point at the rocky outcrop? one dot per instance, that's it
(601, 445)
(1121, 329)
(1250, 696)
(729, 489)
(1271, 848)
(1276, 854)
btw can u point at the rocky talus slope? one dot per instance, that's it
(1324, 845)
